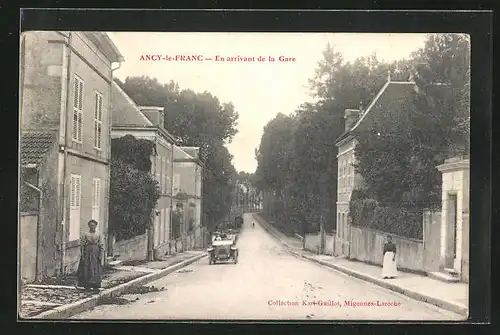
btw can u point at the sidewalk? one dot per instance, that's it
(57, 293)
(450, 296)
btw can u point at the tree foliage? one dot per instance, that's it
(297, 155)
(398, 165)
(200, 120)
(297, 164)
(133, 191)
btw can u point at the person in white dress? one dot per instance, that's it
(389, 269)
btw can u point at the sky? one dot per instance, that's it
(258, 90)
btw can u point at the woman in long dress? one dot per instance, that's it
(389, 269)
(90, 268)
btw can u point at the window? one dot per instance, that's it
(170, 224)
(97, 120)
(157, 168)
(157, 229)
(349, 173)
(161, 231)
(75, 205)
(343, 225)
(166, 224)
(342, 185)
(164, 175)
(338, 224)
(96, 200)
(176, 184)
(168, 169)
(77, 110)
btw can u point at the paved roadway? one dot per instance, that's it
(265, 276)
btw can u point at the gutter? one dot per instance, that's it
(34, 187)
(108, 236)
(65, 203)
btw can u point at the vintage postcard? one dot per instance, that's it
(244, 176)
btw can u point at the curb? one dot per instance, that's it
(455, 308)
(66, 311)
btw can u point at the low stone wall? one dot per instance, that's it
(367, 246)
(133, 249)
(312, 242)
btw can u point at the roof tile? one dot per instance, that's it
(35, 146)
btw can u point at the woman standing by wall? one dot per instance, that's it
(389, 269)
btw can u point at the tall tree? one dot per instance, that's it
(399, 166)
(303, 173)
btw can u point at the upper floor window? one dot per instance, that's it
(349, 173)
(176, 184)
(97, 120)
(78, 109)
(342, 175)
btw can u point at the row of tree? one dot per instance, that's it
(199, 120)
(297, 164)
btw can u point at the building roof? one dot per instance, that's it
(125, 111)
(389, 92)
(192, 151)
(181, 154)
(105, 45)
(35, 145)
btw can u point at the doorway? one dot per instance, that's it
(451, 236)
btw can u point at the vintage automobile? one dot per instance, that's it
(223, 250)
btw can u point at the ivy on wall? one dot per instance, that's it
(133, 190)
(369, 213)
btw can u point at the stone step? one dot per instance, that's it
(444, 277)
(115, 263)
(451, 272)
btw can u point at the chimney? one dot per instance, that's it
(154, 114)
(351, 116)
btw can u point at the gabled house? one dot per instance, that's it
(65, 95)
(389, 99)
(148, 123)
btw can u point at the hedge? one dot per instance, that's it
(368, 213)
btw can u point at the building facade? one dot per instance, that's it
(148, 123)
(65, 91)
(388, 100)
(187, 190)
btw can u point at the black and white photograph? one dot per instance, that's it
(244, 176)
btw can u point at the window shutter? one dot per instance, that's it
(78, 191)
(93, 193)
(75, 202)
(98, 193)
(80, 96)
(100, 108)
(96, 105)
(73, 192)
(164, 174)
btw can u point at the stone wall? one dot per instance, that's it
(367, 246)
(28, 231)
(134, 249)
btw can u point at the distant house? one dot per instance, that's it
(388, 100)
(187, 189)
(65, 91)
(148, 123)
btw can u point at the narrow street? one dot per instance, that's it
(266, 274)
